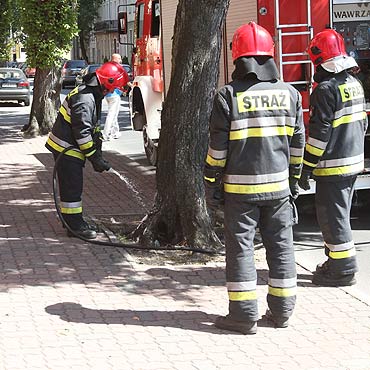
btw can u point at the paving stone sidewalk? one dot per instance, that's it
(66, 304)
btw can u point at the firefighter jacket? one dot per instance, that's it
(256, 138)
(77, 123)
(335, 145)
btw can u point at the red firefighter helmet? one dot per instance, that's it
(326, 45)
(251, 40)
(112, 75)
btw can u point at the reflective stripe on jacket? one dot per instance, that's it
(338, 121)
(76, 124)
(256, 138)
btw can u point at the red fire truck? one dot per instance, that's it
(292, 24)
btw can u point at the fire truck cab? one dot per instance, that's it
(291, 23)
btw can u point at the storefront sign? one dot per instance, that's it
(351, 12)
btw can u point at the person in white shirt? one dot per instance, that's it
(111, 126)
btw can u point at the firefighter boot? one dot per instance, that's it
(330, 279)
(244, 327)
(323, 267)
(278, 321)
(323, 276)
(84, 231)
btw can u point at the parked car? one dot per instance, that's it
(70, 70)
(89, 69)
(128, 69)
(14, 85)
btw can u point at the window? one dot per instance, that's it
(156, 12)
(140, 21)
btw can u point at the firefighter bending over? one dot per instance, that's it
(77, 125)
(334, 153)
(255, 153)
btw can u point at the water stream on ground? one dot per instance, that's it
(130, 186)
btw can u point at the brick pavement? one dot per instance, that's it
(66, 304)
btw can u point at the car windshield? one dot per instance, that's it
(6, 73)
(94, 68)
(127, 68)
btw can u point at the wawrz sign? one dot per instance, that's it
(351, 12)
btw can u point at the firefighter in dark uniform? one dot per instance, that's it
(77, 125)
(334, 153)
(255, 154)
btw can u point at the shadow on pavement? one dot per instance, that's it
(187, 320)
(11, 124)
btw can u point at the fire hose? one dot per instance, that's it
(137, 245)
(110, 243)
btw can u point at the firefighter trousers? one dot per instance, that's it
(333, 207)
(70, 180)
(274, 219)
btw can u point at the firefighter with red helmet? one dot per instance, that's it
(334, 153)
(255, 157)
(78, 126)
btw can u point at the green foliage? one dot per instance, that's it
(5, 17)
(50, 26)
(88, 12)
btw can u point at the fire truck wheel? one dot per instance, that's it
(151, 150)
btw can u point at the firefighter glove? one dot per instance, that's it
(294, 188)
(99, 163)
(98, 139)
(214, 195)
(213, 187)
(304, 181)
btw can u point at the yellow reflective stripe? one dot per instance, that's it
(255, 189)
(73, 92)
(309, 163)
(261, 132)
(209, 179)
(90, 154)
(295, 160)
(282, 292)
(87, 145)
(71, 211)
(71, 152)
(215, 162)
(343, 170)
(315, 151)
(342, 254)
(243, 296)
(65, 115)
(349, 119)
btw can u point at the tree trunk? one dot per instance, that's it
(180, 215)
(45, 103)
(82, 39)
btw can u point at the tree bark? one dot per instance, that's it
(45, 103)
(180, 215)
(82, 38)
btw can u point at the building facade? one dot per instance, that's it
(105, 39)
